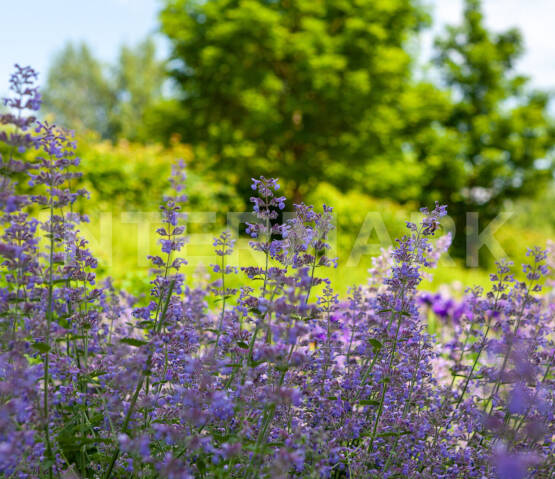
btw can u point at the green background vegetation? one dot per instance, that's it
(327, 96)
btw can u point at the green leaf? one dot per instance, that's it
(242, 344)
(145, 324)
(254, 364)
(275, 444)
(393, 433)
(375, 343)
(133, 342)
(369, 402)
(64, 323)
(41, 347)
(157, 383)
(71, 337)
(201, 465)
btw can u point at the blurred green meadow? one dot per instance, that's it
(127, 180)
(333, 99)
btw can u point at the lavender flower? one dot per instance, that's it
(262, 371)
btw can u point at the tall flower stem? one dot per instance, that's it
(47, 353)
(139, 386)
(269, 411)
(385, 382)
(507, 354)
(222, 314)
(393, 450)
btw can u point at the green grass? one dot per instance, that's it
(122, 248)
(129, 177)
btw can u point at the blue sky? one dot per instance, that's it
(534, 18)
(32, 31)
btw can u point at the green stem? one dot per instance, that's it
(509, 348)
(384, 384)
(523, 418)
(268, 416)
(393, 450)
(47, 354)
(222, 314)
(269, 411)
(139, 386)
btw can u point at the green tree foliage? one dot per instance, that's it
(302, 89)
(323, 91)
(77, 91)
(139, 79)
(111, 100)
(502, 130)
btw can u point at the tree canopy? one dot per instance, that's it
(77, 91)
(301, 89)
(503, 130)
(109, 99)
(326, 92)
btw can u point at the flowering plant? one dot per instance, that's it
(281, 378)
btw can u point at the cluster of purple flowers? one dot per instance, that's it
(281, 378)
